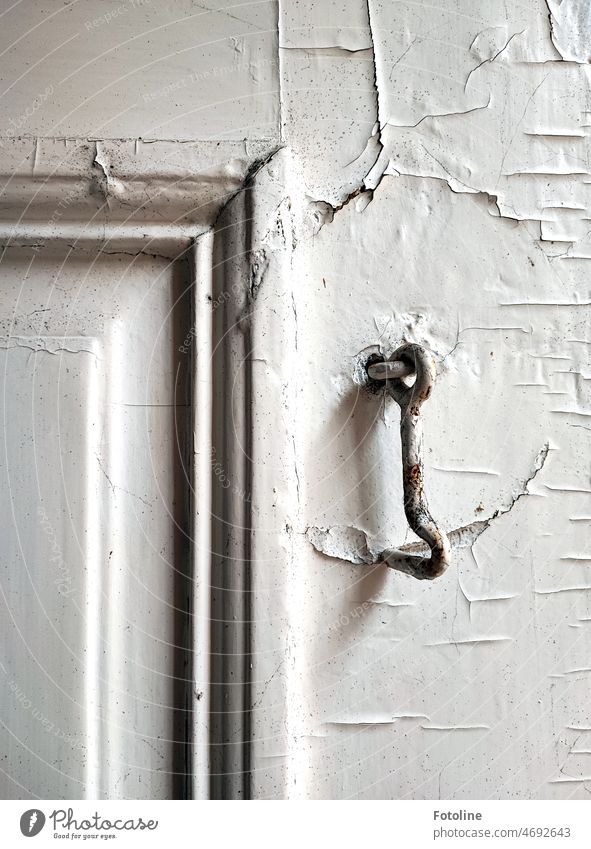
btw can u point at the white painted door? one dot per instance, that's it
(209, 223)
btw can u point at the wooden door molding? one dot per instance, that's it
(231, 220)
(255, 483)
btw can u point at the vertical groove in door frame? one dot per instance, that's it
(255, 487)
(230, 532)
(200, 338)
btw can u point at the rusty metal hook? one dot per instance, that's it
(407, 360)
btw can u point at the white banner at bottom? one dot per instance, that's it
(297, 824)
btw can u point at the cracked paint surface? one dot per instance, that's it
(505, 475)
(353, 545)
(485, 113)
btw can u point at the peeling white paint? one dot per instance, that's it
(484, 294)
(570, 24)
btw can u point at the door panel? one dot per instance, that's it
(95, 541)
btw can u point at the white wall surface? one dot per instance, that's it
(440, 195)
